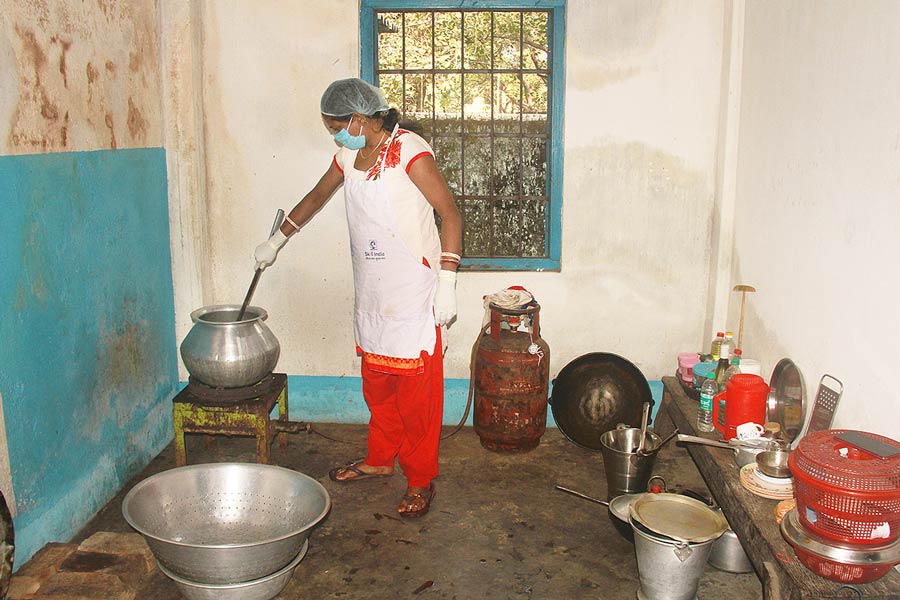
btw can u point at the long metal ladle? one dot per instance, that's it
(279, 219)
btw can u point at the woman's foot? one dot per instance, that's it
(358, 470)
(416, 502)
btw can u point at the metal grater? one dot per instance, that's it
(825, 405)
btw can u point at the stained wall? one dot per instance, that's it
(86, 309)
(817, 184)
(642, 101)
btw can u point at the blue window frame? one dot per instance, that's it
(504, 159)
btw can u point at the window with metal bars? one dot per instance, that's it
(482, 82)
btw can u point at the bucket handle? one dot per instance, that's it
(662, 479)
(683, 551)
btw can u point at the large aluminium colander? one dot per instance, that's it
(224, 523)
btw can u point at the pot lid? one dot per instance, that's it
(678, 517)
(785, 404)
(808, 540)
(620, 506)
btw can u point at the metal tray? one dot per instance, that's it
(786, 404)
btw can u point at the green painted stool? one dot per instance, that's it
(244, 411)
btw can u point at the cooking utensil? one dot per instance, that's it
(627, 471)
(744, 451)
(264, 588)
(279, 219)
(594, 393)
(786, 401)
(827, 397)
(222, 352)
(743, 289)
(644, 417)
(225, 523)
(727, 554)
(667, 439)
(580, 495)
(847, 563)
(774, 463)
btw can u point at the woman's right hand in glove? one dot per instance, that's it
(267, 251)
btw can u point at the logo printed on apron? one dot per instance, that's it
(373, 253)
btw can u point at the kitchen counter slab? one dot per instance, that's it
(753, 518)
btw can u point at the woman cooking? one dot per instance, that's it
(404, 274)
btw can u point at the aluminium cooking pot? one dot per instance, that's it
(223, 352)
(594, 393)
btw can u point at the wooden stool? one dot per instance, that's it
(216, 412)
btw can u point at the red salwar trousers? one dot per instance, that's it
(406, 414)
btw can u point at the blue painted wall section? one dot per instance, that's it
(87, 331)
(340, 400)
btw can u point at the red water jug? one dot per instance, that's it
(745, 401)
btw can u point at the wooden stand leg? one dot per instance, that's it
(180, 451)
(283, 416)
(262, 440)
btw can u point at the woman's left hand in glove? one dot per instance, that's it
(445, 297)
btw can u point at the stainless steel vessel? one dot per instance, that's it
(226, 523)
(221, 351)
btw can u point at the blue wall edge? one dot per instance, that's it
(321, 399)
(67, 517)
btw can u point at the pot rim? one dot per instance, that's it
(253, 313)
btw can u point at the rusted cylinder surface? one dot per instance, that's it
(512, 375)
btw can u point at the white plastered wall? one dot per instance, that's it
(818, 198)
(641, 113)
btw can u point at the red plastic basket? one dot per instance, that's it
(845, 493)
(836, 571)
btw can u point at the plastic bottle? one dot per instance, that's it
(729, 341)
(716, 345)
(722, 366)
(735, 367)
(707, 391)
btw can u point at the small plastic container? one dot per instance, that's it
(700, 371)
(751, 366)
(686, 362)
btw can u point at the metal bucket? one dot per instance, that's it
(668, 570)
(627, 471)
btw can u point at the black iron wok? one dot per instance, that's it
(594, 393)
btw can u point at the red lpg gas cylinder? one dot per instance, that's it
(511, 380)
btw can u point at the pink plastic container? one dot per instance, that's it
(686, 362)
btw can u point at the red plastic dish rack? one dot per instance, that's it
(845, 493)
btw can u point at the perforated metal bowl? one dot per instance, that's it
(260, 589)
(226, 523)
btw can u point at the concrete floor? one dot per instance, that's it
(497, 528)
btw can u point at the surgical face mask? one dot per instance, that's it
(352, 142)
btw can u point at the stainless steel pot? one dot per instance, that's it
(728, 554)
(223, 352)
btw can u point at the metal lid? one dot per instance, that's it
(678, 517)
(620, 506)
(849, 554)
(785, 403)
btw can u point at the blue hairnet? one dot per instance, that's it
(347, 96)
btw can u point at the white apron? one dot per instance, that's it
(394, 313)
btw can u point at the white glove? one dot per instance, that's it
(267, 251)
(445, 297)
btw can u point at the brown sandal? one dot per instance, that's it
(428, 495)
(358, 474)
